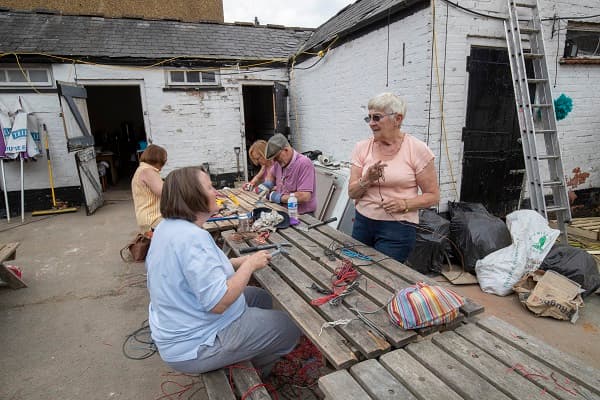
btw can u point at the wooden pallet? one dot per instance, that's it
(588, 228)
(7, 277)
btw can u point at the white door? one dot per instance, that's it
(80, 140)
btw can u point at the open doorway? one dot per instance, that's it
(258, 118)
(265, 113)
(117, 124)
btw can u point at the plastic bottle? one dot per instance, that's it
(292, 206)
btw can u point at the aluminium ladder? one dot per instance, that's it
(537, 120)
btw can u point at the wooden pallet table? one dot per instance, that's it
(490, 359)
(291, 278)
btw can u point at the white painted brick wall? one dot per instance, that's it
(328, 101)
(194, 127)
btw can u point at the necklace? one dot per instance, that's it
(388, 150)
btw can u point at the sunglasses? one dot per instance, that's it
(376, 117)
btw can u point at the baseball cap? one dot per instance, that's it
(277, 143)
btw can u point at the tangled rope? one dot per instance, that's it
(343, 282)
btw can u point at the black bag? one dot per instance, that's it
(575, 264)
(476, 233)
(138, 248)
(432, 246)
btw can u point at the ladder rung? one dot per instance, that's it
(540, 131)
(524, 5)
(548, 157)
(552, 183)
(533, 55)
(529, 30)
(537, 80)
(555, 208)
(541, 105)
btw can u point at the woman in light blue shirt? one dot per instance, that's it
(202, 314)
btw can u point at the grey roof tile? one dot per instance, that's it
(114, 37)
(353, 17)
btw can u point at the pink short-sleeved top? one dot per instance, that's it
(399, 177)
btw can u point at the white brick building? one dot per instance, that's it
(389, 46)
(204, 91)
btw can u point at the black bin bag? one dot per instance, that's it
(476, 233)
(432, 244)
(576, 264)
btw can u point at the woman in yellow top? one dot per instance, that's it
(257, 157)
(146, 187)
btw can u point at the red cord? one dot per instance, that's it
(267, 386)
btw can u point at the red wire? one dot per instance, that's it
(267, 386)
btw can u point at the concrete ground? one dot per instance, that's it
(61, 337)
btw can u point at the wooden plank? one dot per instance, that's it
(245, 378)
(378, 382)
(217, 385)
(454, 373)
(507, 381)
(321, 273)
(400, 270)
(414, 376)
(340, 385)
(330, 342)
(297, 278)
(8, 251)
(534, 347)
(549, 378)
(11, 280)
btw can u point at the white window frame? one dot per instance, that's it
(25, 68)
(202, 82)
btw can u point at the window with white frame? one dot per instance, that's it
(582, 40)
(192, 78)
(11, 76)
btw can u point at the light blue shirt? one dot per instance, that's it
(187, 277)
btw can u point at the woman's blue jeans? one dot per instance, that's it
(393, 238)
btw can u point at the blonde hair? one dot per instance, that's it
(388, 102)
(257, 147)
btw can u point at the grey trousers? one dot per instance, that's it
(260, 334)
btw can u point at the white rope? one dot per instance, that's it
(335, 323)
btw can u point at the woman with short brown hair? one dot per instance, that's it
(146, 187)
(202, 314)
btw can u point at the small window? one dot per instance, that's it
(582, 40)
(26, 76)
(191, 78)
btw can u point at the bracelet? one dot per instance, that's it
(405, 206)
(362, 184)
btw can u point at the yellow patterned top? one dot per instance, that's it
(145, 202)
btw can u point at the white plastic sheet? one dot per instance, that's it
(532, 239)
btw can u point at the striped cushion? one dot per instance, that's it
(421, 305)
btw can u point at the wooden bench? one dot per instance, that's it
(7, 277)
(245, 379)
(490, 359)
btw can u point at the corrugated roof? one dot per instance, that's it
(354, 17)
(70, 35)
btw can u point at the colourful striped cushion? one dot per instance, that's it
(421, 305)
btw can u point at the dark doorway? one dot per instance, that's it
(265, 113)
(117, 123)
(493, 165)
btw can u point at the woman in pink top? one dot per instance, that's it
(387, 172)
